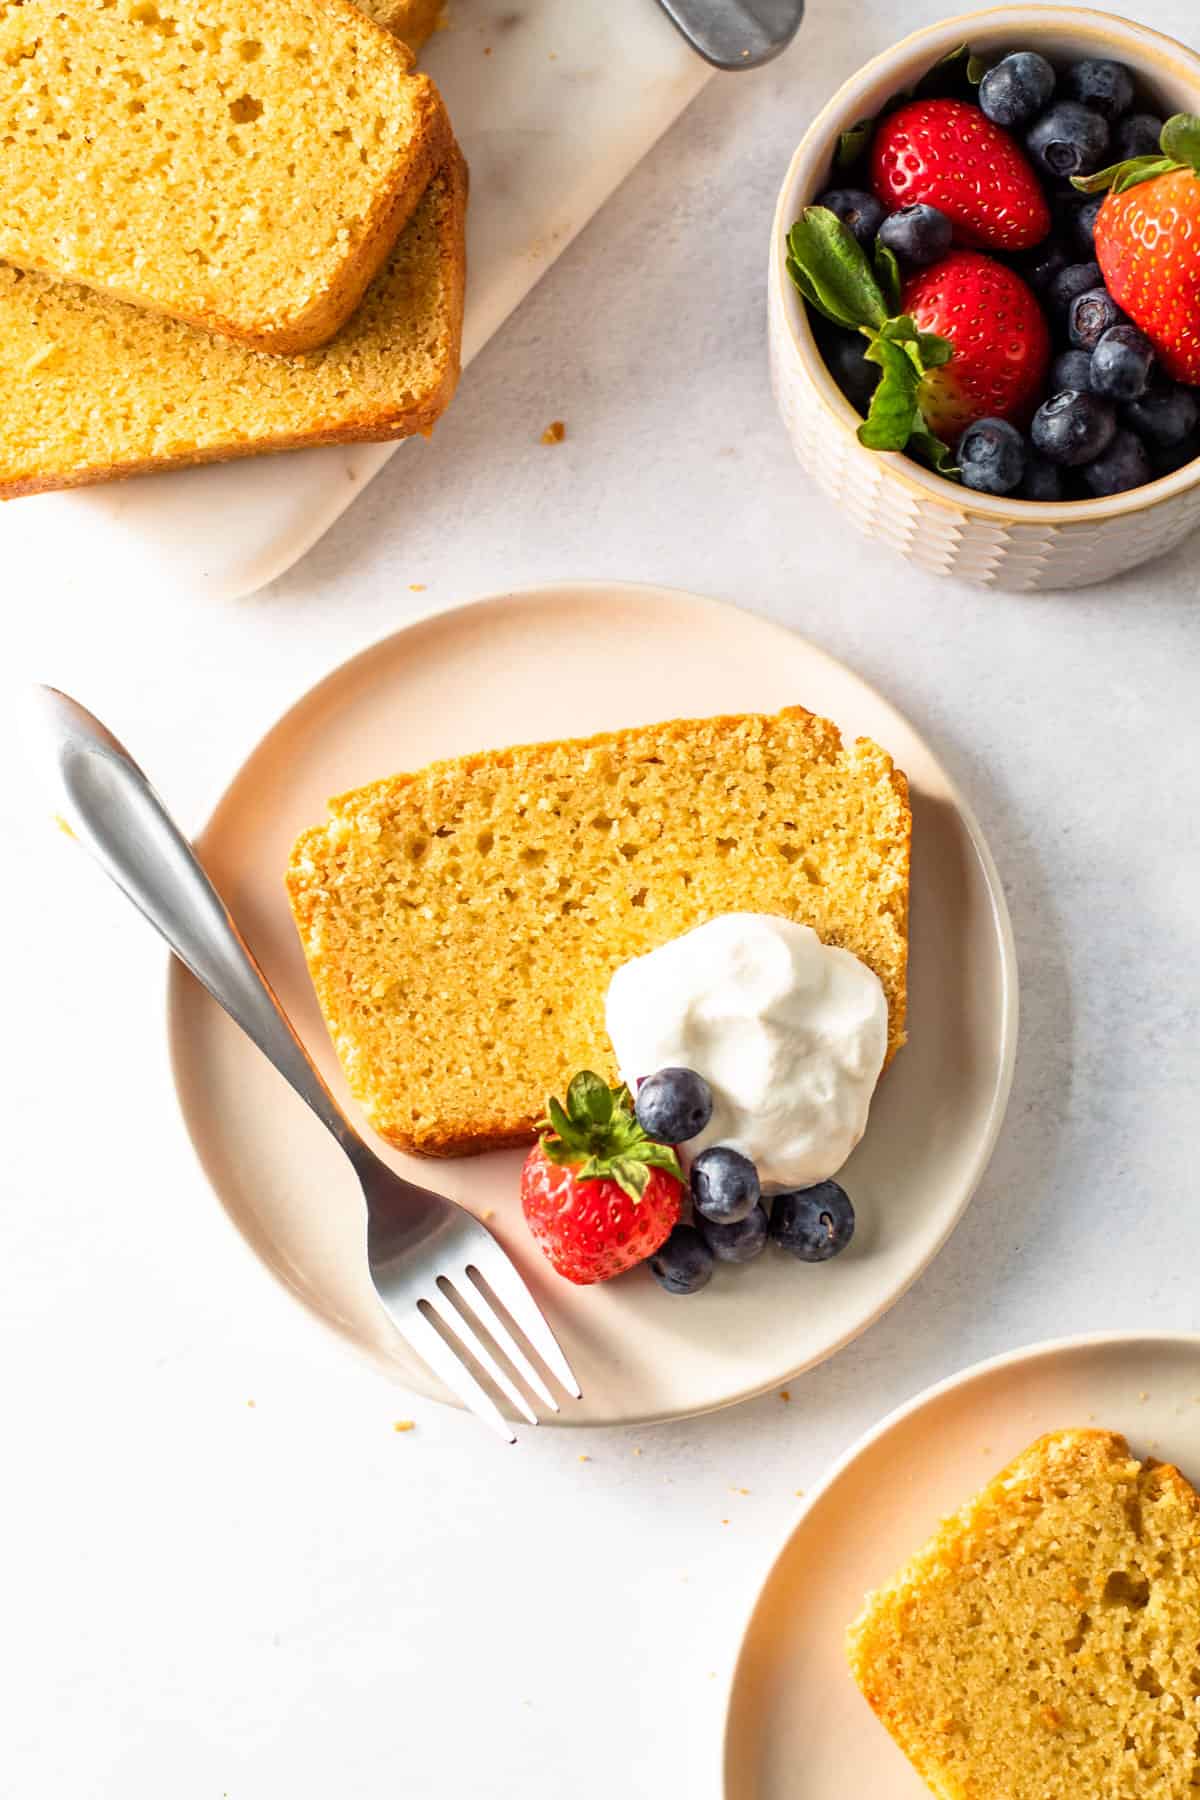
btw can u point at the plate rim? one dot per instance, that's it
(1039, 1350)
(175, 978)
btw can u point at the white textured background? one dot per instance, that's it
(206, 1599)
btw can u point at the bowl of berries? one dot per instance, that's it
(984, 297)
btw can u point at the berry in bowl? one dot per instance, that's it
(985, 297)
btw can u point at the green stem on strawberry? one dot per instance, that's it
(1180, 144)
(598, 1136)
(831, 270)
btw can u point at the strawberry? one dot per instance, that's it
(961, 340)
(598, 1195)
(1000, 337)
(947, 154)
(1148, 244)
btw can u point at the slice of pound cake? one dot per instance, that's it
(245, 167)
(1045, 1644)
(462, 924)
(95, 390)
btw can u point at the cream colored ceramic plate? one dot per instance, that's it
(798, 1728)
(560, 662)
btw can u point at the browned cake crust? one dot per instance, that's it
(1044, 1642)
(462, 924)
(413, 21)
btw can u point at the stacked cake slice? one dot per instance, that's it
(263, 247)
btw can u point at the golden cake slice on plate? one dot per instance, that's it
(462, 924)
(1045, 1644)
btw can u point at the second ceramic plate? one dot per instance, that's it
(558, 662)
(798, 1728)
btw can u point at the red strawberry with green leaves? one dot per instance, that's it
(1000, 337)
(599, 1195)
(948, 154)
(1148, 243)
(964, 339)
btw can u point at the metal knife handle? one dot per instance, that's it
(115, 813)
(736, 34)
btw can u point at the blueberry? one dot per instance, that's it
(917, 234)
(739, 1242)
(813, 1223)
(674, 1105)
(684, 1264)
(861, 211)
(1166, 417)
(1017, 89)
(1041, 481)
(1138, 135)
(1075, 279)
(1041, 266)
(1073, 428)
(1106, 87)
(1165, 462)
(1122, 363)
(857, 378)
(724, 1185)
(1091, 315)
(991, 455)
(1083, 225)
(1070, 139)
(1123, 465)
(1073, 369)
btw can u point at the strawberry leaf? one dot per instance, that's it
(630, 1176)
(934, 352)
(559, 1122)
(589, 1100)
(853, 144)
(1120, 177)
(598, 1137)
(894, 414)
(801, 281)
(1181, 139)
(937, 455)
(946, 76)
(836, 268)
(887, 271)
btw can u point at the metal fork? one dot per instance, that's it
(449, 1288)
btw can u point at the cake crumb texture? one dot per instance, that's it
(245, 165)
(95, 389)
(1045, 1644)
(462, 924)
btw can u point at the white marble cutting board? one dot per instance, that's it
(554, 102)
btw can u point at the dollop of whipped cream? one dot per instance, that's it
(789, 1033)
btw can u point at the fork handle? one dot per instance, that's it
(115, 813)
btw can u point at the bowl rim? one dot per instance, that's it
(842, 110)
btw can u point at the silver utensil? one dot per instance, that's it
(736, 34)
(449, 1288)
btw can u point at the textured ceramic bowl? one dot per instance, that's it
(1023, 545)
